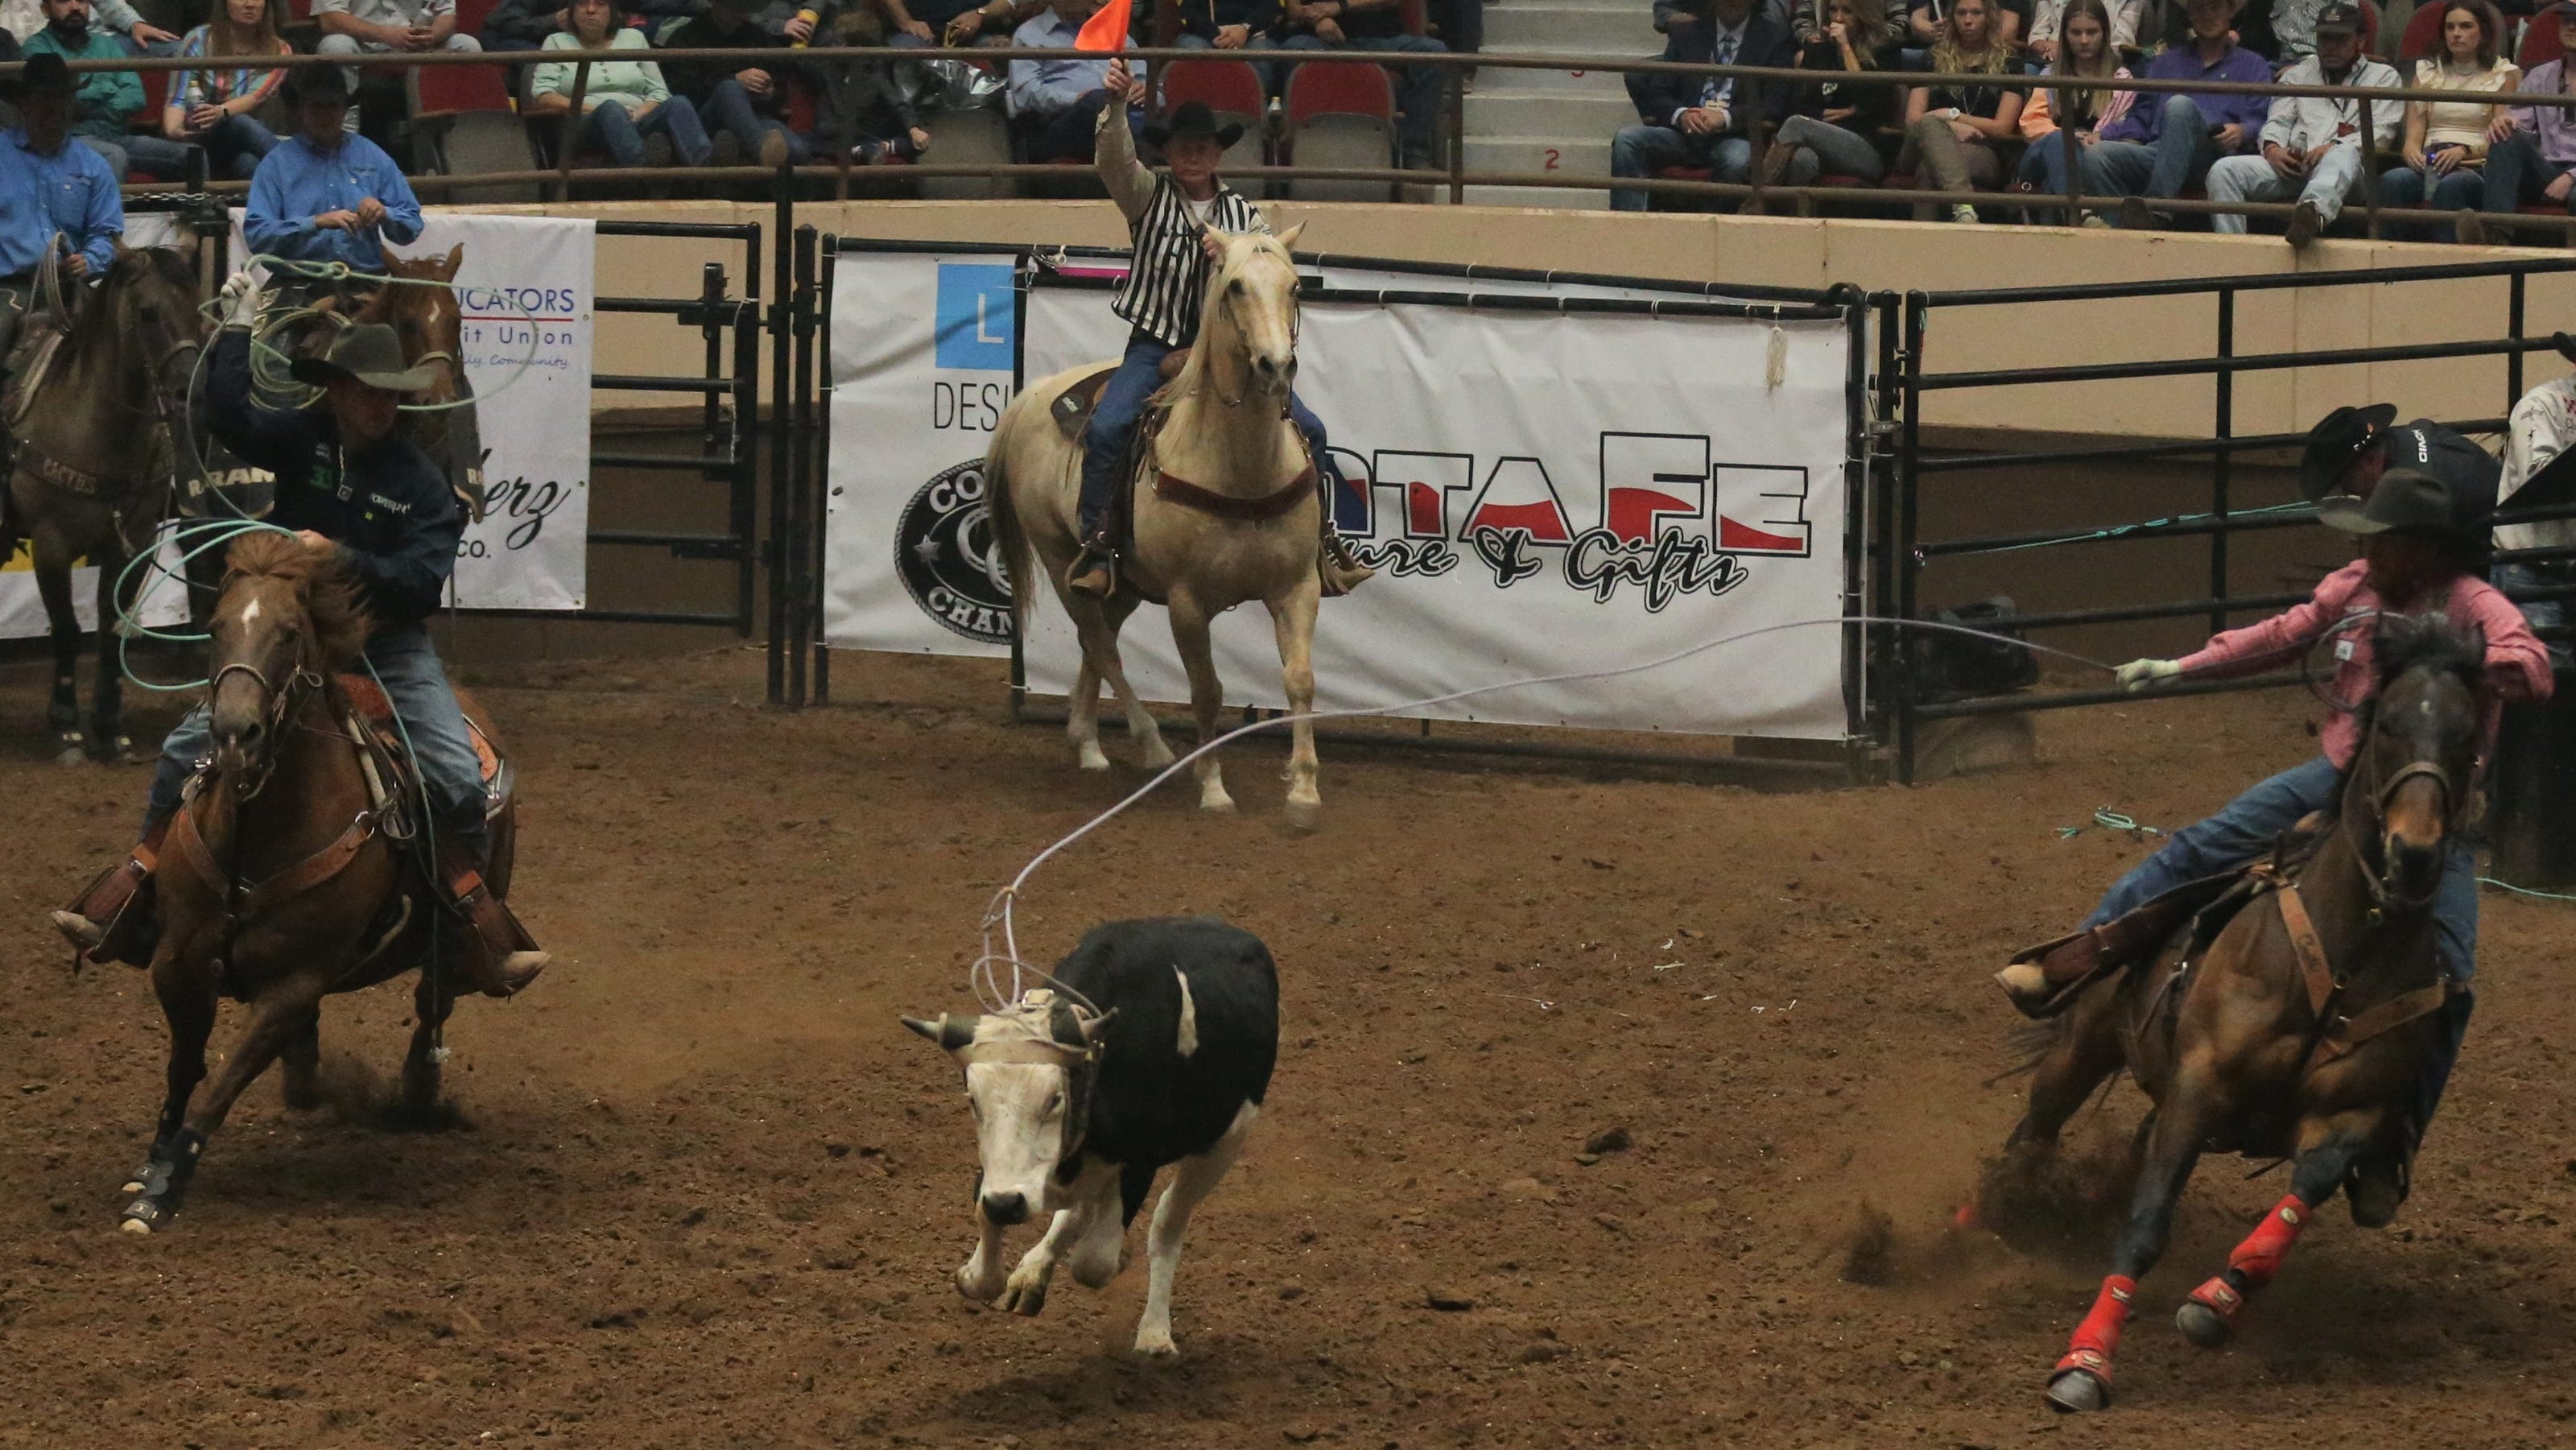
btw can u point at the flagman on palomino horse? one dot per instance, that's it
(350, 484)
(2328, 916)
(1170, 220)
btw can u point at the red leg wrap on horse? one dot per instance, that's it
(2098, 1337)
(2259, 1257)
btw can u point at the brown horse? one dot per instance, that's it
(2304, 1027)
(89, 481)
(283, 878)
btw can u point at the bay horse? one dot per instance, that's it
(88, 481)
(2304, 1027)
(285, 877)
(1227, 435)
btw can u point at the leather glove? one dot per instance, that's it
(2139, 675)
(239, 301)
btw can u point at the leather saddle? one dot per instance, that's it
(1072, 407)
(375, 715)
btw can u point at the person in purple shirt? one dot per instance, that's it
(2164, 145)
(2538, 161)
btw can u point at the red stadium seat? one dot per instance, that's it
(156, 94)
(446, 90)
(2539, 42)
(471, 14)
(1232, 90)
(1339, 88)
(2423, 34)
(1341, 115)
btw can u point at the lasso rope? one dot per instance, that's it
(983, 976)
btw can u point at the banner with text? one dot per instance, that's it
(1543, 494)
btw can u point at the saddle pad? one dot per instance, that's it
(368, 699)
(1072, 407)
(29, 361)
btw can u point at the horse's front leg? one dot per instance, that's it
(2327, 1148)
(188, 1005)
(118, 588)
(275, 1019)
(1293, 619)
(2082, 1378)
(53, 561)
(1207, 694)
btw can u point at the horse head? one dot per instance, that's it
(2418, 760)
(419, 304)
(1028, 1080)
(1249, 321)
(287, 618)
(145, 315)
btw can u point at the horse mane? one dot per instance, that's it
(2407, 642)
(97, 324)
(329, 595)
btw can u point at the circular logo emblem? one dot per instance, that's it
(946, 555)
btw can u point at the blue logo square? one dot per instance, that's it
(977, 316)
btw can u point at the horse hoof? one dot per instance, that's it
(2078, 1392)
(72, 753)
(2203, 1325)
(1092, 759)
(134, 1226)
(1305, 815)
(1216, 802)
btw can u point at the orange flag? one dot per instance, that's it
(1105, 30)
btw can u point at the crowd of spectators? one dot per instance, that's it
(2507, 143)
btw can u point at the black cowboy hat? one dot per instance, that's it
(316, 84)
(2404, 502)
(1192, 119)
(2340, 437)
(369, 353)
(45, 75)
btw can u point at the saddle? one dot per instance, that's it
(391, 772)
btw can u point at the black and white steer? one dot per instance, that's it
(1076, 1108)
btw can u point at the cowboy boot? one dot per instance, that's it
(113, 920)
(497, 953)
(1093, 572)
(1340, 570)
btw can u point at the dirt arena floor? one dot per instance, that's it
(710, 1192)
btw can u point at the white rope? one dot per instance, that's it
(983, 976)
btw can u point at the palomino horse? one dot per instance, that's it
(87, 482)
(284, 878)
(2305, 1026)
(1227, 435)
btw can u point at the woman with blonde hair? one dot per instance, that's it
(210, 106)
(1837, 127)
(1954, 132)
(2085, 49)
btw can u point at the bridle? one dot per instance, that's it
(2374, 868)
(282, 704)
(1225, 308)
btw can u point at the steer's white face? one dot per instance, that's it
(1021, 1113)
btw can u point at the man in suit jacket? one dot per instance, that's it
(1702, 120)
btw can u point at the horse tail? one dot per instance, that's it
(1011, 545)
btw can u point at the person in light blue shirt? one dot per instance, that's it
(53, 192)
(325, 194)
(1056, 104)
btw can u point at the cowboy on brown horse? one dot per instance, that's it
(350, 482)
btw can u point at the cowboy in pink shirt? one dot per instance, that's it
(2416, 558)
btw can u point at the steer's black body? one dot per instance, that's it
(1150, 1104)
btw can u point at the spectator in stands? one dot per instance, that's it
(627, 108)
(1927, 20)
(2086, 50)
(23, 18)
(52, 192)
(2163, 147)
(211, 107)
(1807, 23)
(522, 24)
(2447, 141)
(1956, 134)
(1460, 25)
(2313, 149)
(866, 105)
(2537, 162)
(1848, 130)
(2293, 24)
(1376, 25)
(327, 194)
(744, 106)
(382, 27)
(913, 23)
(1055, 103)
(2049, 16)
(1233, 25)
(106, 102)
(1701, 120)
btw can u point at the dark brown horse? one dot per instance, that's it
(2303, 1028)
(284, 878)
(91, 480)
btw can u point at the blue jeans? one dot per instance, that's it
(2177, 162)
(1270, 79)
(2246, 827)
(158, 157)
(728, 108)
(1113, 424)
(610, 127)
(2462, 189)
(234, 147)
(1645, 150)
(442, 749)
(1417, 87)
(2539, 613)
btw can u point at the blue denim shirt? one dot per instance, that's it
(296, 183)
(71, 192)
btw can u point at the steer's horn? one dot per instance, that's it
(950, 1032)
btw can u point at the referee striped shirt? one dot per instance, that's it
(1167, 275)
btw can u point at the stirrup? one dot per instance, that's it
(1093, 572)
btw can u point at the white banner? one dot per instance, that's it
(1542, 493)
(525, 291)
(921, 368)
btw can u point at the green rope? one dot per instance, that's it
(2523, 890)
